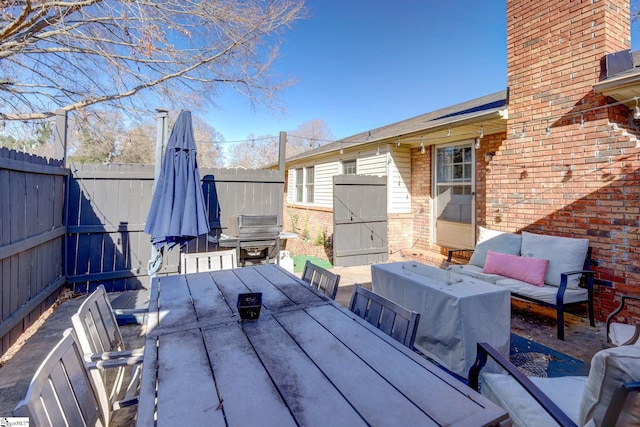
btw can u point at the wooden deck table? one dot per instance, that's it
(306, 361)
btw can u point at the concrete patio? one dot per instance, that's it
(582, 340)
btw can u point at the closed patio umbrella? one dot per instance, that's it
(178, 212)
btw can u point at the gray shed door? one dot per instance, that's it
(359, 220)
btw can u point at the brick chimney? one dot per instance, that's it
(552, 157)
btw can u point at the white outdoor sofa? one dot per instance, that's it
(540, 268)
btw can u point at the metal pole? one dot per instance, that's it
(282, 152)
(162, 128)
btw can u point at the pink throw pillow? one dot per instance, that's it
(530, 270)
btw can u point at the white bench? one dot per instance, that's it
(515, 261)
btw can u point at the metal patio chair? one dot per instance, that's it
(321, 279)
(386, 315)
(64, 392)
(199, 262)
(608, 396)
(100, 339)
(622, 333)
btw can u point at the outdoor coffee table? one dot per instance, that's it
(453, 317)
(306, 360)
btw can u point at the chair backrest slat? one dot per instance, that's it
(321, 279)
(97, 331)
(62, 392)
(388, 316)
(208, 261)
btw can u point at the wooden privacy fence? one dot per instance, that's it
(32, 229)
(91, 231)
(108, 206)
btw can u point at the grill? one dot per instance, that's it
(255, 237)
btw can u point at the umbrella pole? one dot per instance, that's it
(162, 129)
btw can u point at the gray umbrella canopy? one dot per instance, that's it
(178, 212)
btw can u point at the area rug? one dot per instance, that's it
(537, 360)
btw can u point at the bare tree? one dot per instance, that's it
(309, 135)
(258, 152)
(208, 140)
(255, 153)
(137, 145)
(70, 55)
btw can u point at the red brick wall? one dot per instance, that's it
(421, 199)
(566, 166)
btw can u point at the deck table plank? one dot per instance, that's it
(435, 391)
(249, 396)
(348, 372)
(200, 406)
(311, 397)
(272, 297)
(289, 284)
(208, 301)
(174, 305)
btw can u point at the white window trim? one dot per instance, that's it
(304, 186)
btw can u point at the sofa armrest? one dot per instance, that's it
(484, 350)
(453, 251)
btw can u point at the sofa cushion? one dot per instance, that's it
(497, 241)
(530, 270)
(546, 293)
(523, 409)
(564, 254)
(609, 369)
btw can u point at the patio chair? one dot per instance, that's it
(64, 392)
(391, 318)
(622, 333)
(607, 397)
(321, 279)
(199, 262)
(100, 339)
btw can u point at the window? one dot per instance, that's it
(310, 178)
(299, 184)
(454, 184)
(305, 180)
(349, 167)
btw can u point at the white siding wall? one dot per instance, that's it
(395, 164)
(370, 164)
(399, 181)
(324, 183)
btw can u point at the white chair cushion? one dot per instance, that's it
(609, 369)
(620, 333)
(546, 293)
(523, 409)
(564, 254)
(497, 241)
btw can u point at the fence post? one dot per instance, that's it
(60, 136)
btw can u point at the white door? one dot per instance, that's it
(454, 195)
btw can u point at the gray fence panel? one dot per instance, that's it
(108, 206)
(31, 239)
(360, 220)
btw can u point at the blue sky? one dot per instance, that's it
(365, 64)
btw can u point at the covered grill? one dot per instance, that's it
(255, 237)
